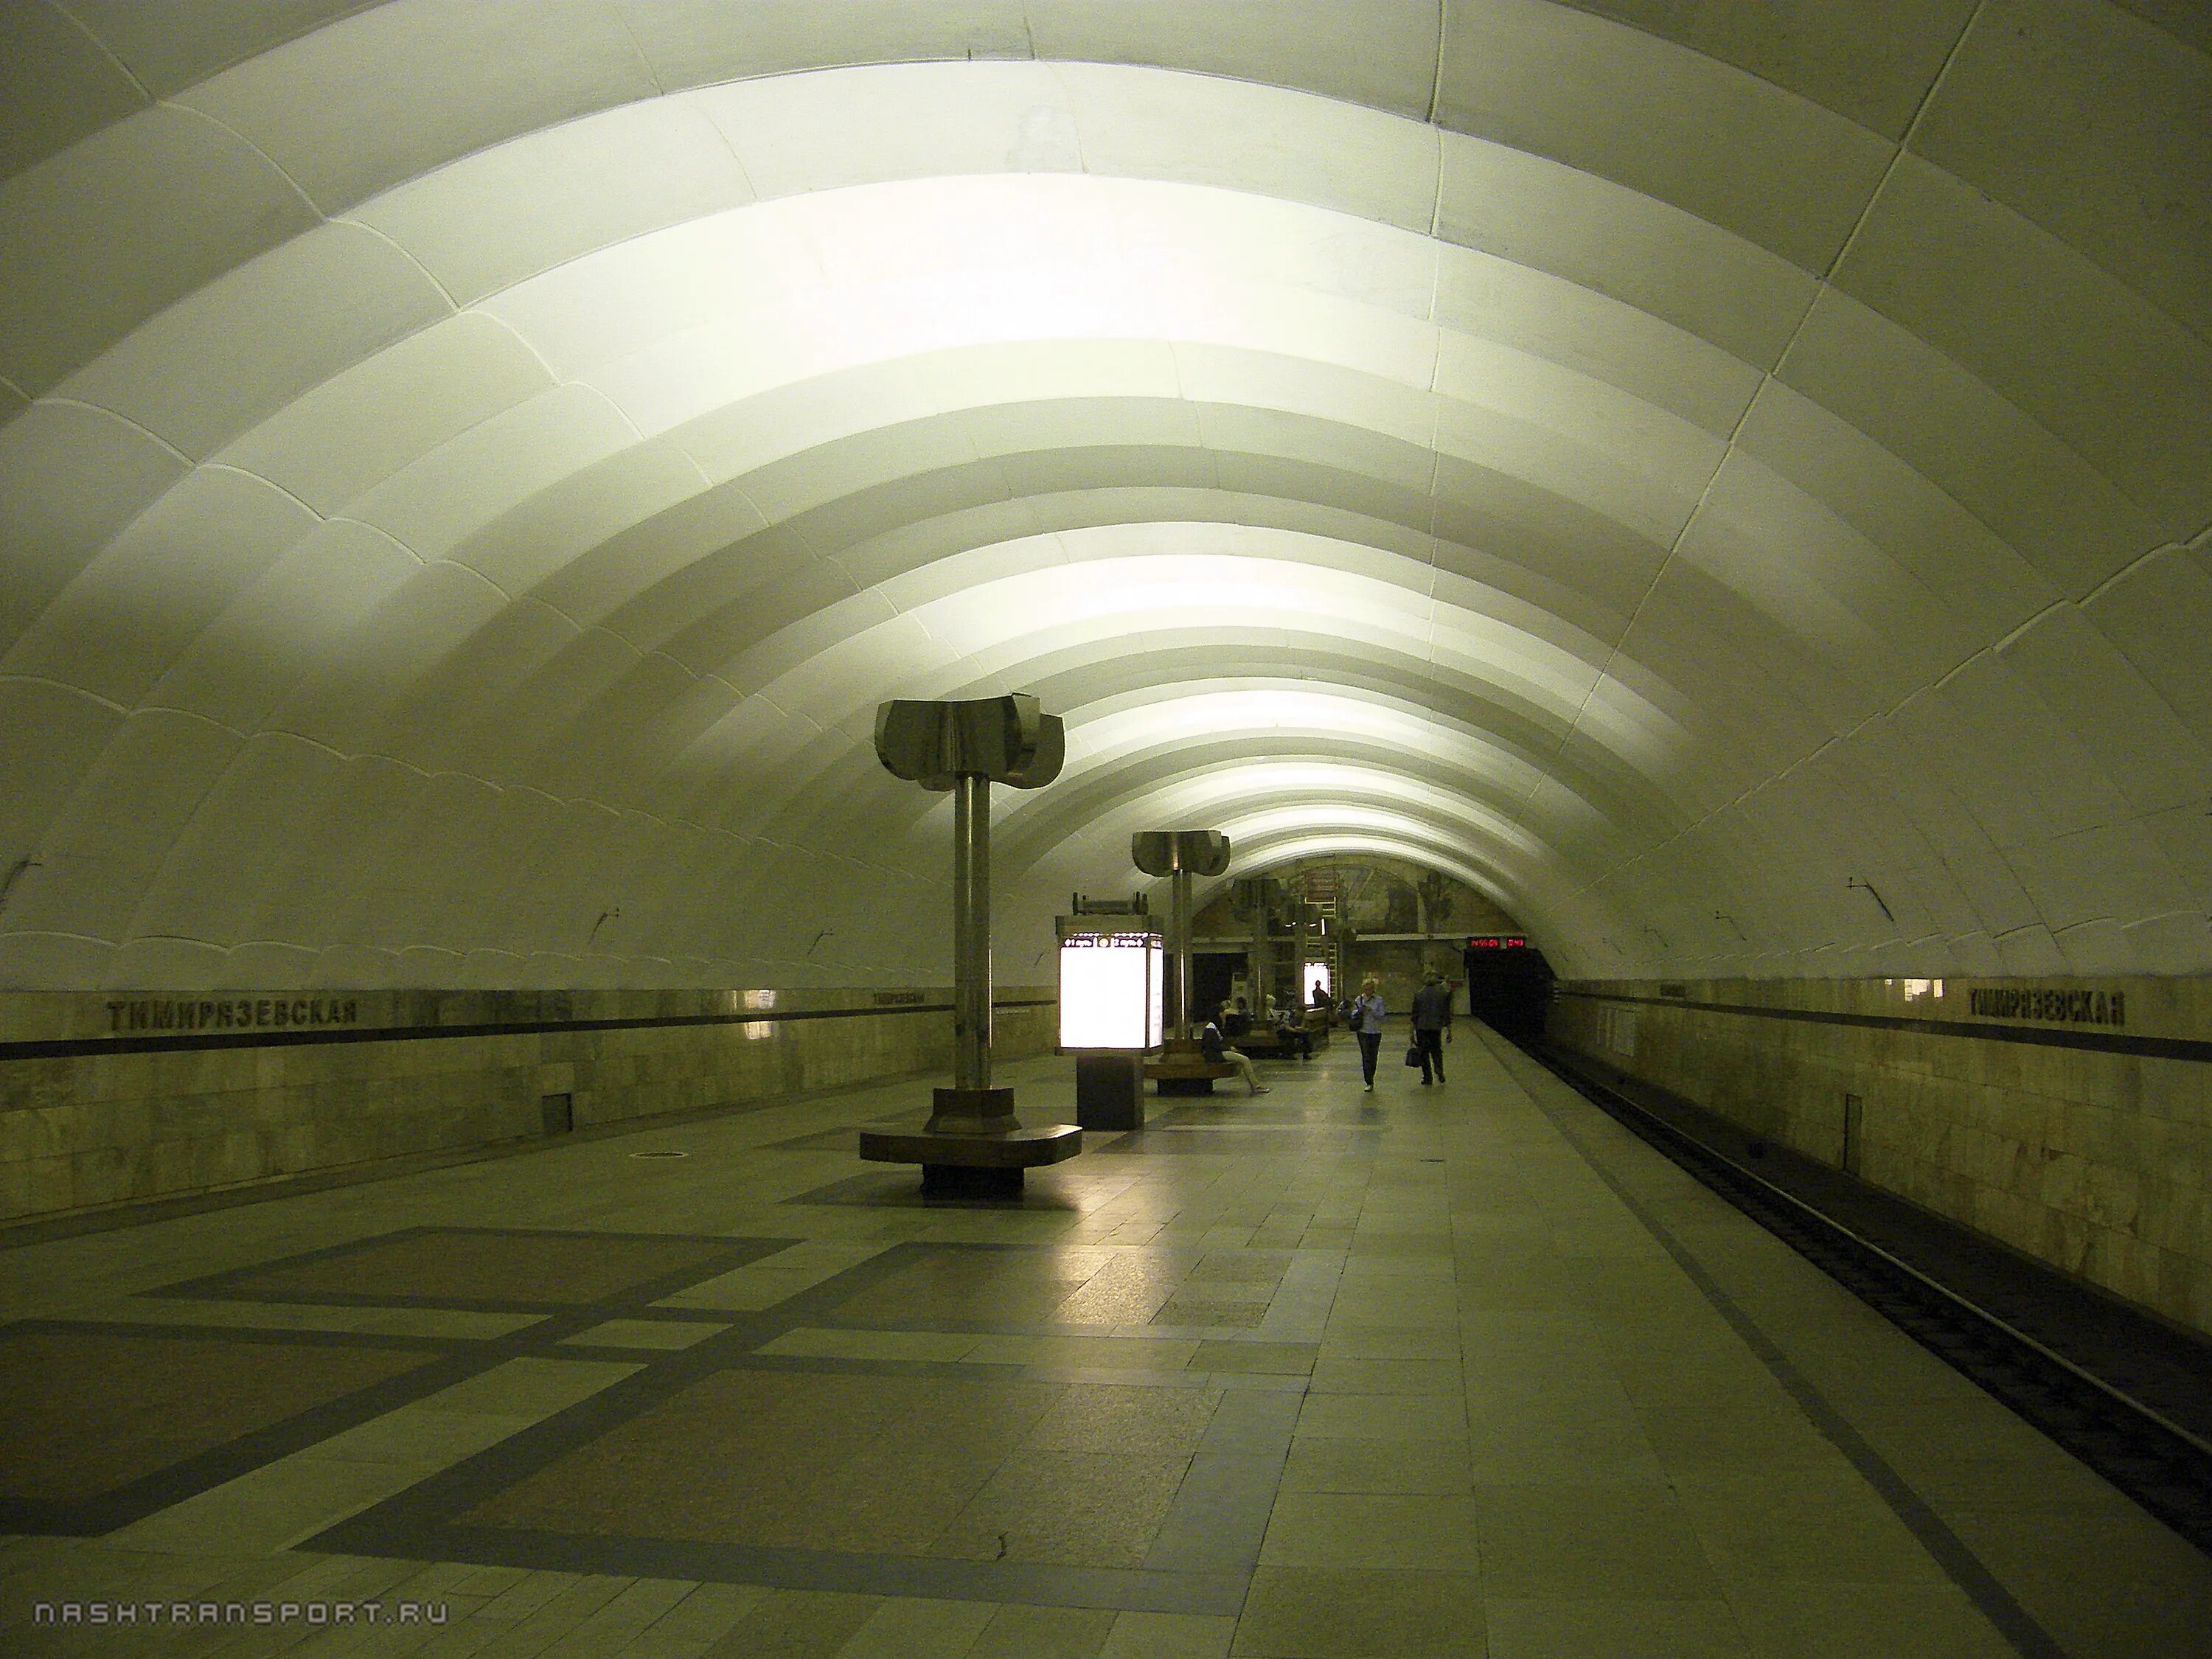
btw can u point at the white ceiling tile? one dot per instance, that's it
(103, 235)
(237, 351)
(55, 84)
(1603, 235)
(339, 442)
(391, 91)
(72, 477)
(2097, 126)
(143, 601)
(2065, 517)
(2117, 382)
(1668, 122)
(490, 220)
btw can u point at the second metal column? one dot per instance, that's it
(1184, 923)
(971, 931)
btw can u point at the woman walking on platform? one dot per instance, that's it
(1366, 1020)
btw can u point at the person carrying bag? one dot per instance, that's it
(1432, 1019)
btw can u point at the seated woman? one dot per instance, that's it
(1290, 1028)
(1215, 1048)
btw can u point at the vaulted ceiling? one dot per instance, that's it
(470, 470)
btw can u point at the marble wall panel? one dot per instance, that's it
(96, 1110)
(2093, 1154)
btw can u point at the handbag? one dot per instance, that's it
(1413, 1054)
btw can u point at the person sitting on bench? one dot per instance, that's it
(1217, 1052)
(1290, 1027)
(1235, 1020)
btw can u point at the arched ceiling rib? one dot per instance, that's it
(1608, 465)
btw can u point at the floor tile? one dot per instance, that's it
(1347, 1339)
(1274, 1358)
(915, 1628)
(1822, 1621)
(1337, 1375)
(1515, 1451)
(1327, 1613)
(1379, 1466)
(1557, 1542)
(1136, 1422)
(1722, 1434)
(85, 1411)
(1168, 1636)
(1074, 1509)
(1084, 1352)
(1430, 1534)
(796, 1625)
(807, 1343)
(1382, 1417)
(1780, 1524)
(1044, 1633)
(1598, 1629)
(659, 1334)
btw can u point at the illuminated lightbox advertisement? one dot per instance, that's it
(1112, 987)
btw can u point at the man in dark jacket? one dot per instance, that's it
(1432, 1014)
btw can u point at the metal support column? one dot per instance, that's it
(1177, 855)
(972, 1147)
(1262, 973)
(1304, 915)
(971, 931)
(1183, 920)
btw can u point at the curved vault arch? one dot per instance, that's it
(1814, 518)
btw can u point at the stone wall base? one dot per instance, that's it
(122, 1096)
(2072, 1120)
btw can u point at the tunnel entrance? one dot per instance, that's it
(1509, 986)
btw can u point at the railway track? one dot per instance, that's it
(2158, 1462)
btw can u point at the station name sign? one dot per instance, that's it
(1497, 942)
(2069, 1007)
(231, 1013)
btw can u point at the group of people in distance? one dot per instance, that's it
(1364, 1014)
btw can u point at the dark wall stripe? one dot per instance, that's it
(2106, 1043)
(64, 1048)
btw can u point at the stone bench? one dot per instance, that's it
(1180, 1075)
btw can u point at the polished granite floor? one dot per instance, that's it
(1321, 1374)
